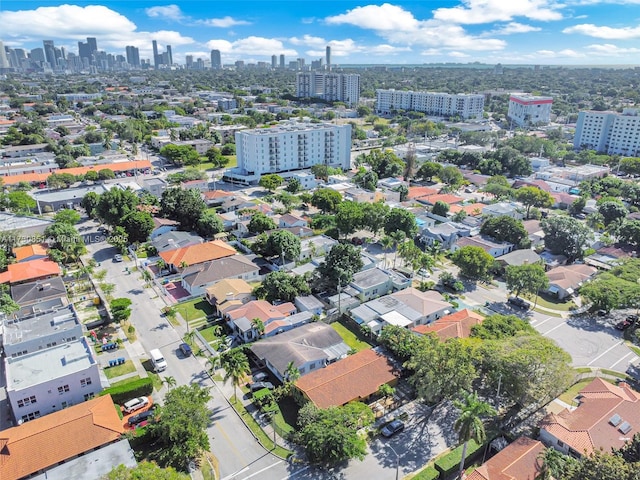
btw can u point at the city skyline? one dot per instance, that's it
(575, 32)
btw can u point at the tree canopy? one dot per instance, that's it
(281, 286)
(565, 235)
(473, 262)
(504, 228)
(326, 200)
(184, 206)
(339, 266)
(527, 278)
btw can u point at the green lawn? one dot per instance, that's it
(208, 335)
(548, 302)
(126, 380)
(571, 393)
(349, 337)
(194, 309)
(126, 367)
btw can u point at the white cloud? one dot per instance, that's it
(385, 17)
(431, 52)
(308, 40)
(566, 53)
(458, 54)
(252, 46)
(612, 50)
(513, 27)
(486, 11)
(607, 33)
(224, 22)
(171, 12)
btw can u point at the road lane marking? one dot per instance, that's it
(554, 328)
(264, 469)
(228, 477)
(230, 442)
(605, 352)
(535, 324)
(297, 472)
(621, 359)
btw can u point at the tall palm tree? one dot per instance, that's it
(291, 373)
(258, 325)
(397, 237)
(236, 367)
(386, 243)
(170, 381)
(189, 336)
(469, 424)
(553, 464)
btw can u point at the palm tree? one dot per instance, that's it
(189, 336)
(236, 367)
(258, 325)
(291, 373)
(469, 424)
(386, 243)
(554, 464)
(212, 364)
(170, 381)
(397, 237)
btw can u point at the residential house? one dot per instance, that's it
(372, 283)
(216, 197)
(309, 348)
(317, 246)
(607, 257)
(308, 303)
(36, 446)
(563, 200)
(25, 226)
(184, 257)
(228, 294)
(520, 460)
(447, 198)
(162, 226)
(201, 185)
(494, 249)
(354, 378)
(155, 186)
(416, 193)
(565, 280)
(240, 319)
(29, 334)
(40, 269)
(534, 232)
(52, 379)
(454, 325)
(407, 308)
(27, 253)
(32, 293)
(518, 258)
(301, 232)
(235, 203)
(471, 209)
(444, 234)
(175, 239)
(509, 209)
(605, 419)
(288, 221)
(196, 279)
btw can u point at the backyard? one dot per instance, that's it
(350, 338)
(194, 310)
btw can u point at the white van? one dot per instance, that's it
(159, 363)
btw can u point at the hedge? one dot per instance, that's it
(428, 473)
(450, 463)
(140, 387)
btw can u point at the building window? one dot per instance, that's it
(31, 416)
(560, 443)
(27, 401)
(63, 389)
(64, 405)
(84, 382)
(88, 396)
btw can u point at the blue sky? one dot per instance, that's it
(577, 32)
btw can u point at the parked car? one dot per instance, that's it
(260, 376)
(185, 348)
(624, 324)
(117, 257)
(135, 404)
(140, 417)
(390, 429)
(518, 302)
(254, 387)
(633, 318)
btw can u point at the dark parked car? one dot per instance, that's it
(254, 387)
(140, 417)
(624, 324)
(392, 428)
(518, 302)
(260, 377)
(185, 348)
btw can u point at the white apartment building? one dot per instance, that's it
(49, 380)
(609, 132)
(290, 147)
(527, 110)
(434, 103)
(342, 87)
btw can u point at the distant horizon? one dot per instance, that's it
(411, 32)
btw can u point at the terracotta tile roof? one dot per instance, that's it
(570, 276)
(215, 194)
(38, 249)
(46, 441)
(473, 209)
(161, 222)
(199, 253)
(263, 310)
(31, 270)
(442, 197)
(518, 461)
(353, 378)
(456, 325)
(417, 192)
(425, 303)
(588, 427)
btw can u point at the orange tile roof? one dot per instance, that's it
(353, 378)
(30, 250)
(213, 194)
(518, 461)
(473, 209)
(456, 325)
(46, 441)
(32, 270)
(199, 253)
(587, 428)
(417, 192)
(42, 177)
(263, 310)
(442, 197)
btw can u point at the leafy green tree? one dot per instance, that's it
(428, 170)
(383, 163)
(565, 235)
(403, 343)
(326, 200)
(527, 278)
(90, 203)
(66, 240)
(503, 228)
(401, 220)
(236, 367)
(330, 435)
(374, 216)
(181, 434)
(602, 466)
(612, 211)
(534, 197)
(451, 176)
(115, 204)
(281, 286)
(496, 327)
(180, 154)
(367, 179)
(349, 217)
(283, 243)
(145, 471)
(261, 223)
(120, 310)
(473, 262)
(629, 232)
(339, 266)
(119, 239)
(440, 208)
(209, 224)
(67, 216)
(469, 424)
(184, 206)
(20, 202)
(555, 465)
(270, 182)
(294, 186)
(578, 205)
(7, 304)
(138, 226)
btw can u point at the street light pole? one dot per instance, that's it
(397, 461)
